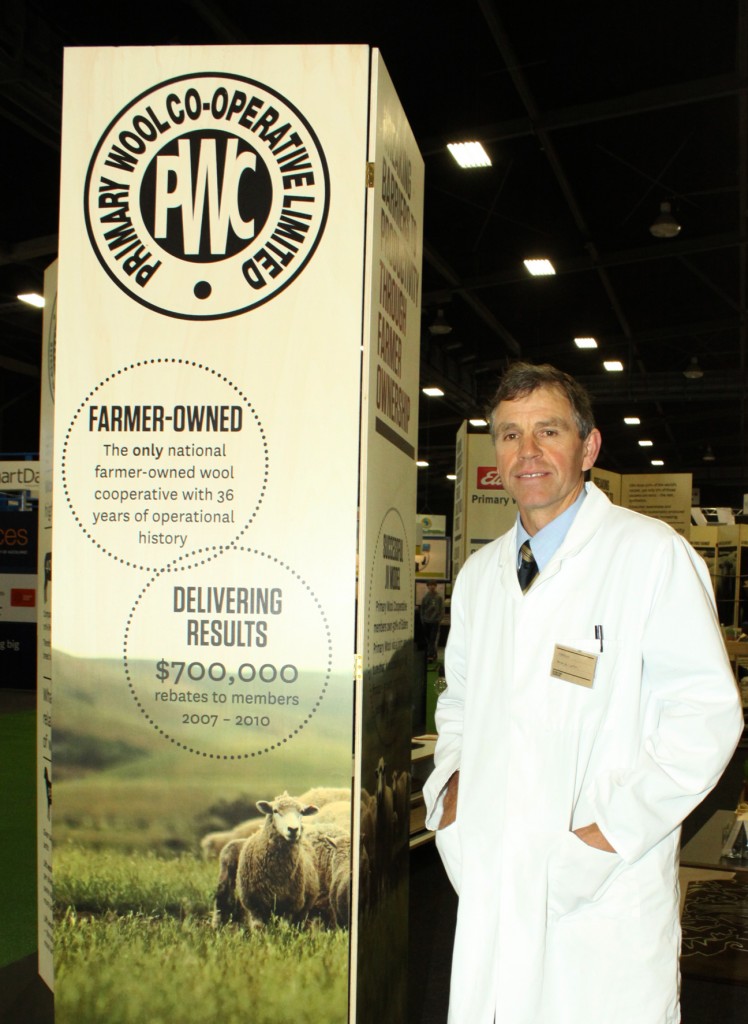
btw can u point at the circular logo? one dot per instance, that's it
(206, 196)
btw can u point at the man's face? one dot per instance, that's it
(540, 455)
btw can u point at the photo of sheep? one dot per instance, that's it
(189, 889)
(286, 868)
(385, 829)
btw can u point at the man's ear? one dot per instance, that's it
(591, 448)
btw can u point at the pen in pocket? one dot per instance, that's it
(599, 636)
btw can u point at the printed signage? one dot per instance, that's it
(19, 486)
(215, 271)
(482, 508)
(488, 479)
(19, 476)
(206, 195)
(387, 553)
(151, 480)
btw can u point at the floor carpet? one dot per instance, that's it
(715, 931)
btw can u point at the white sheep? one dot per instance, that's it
(340, 882)
(336, 813)
(368, 821)
(384, 826)
(332, 854)
(401, 791)
(321, 796)
(213, 842)
(364, 879)
(401, 799)
(271, 872)
(226, 905)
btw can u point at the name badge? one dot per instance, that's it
(574, 666)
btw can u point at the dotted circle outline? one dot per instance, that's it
(174, 562)
(281, 740)
(396, 510)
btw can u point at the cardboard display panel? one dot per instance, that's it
(387, 556)
(608, 482)
(45, 903)
(214, 311)
(483, 509)
(665, 496)
(18, 595)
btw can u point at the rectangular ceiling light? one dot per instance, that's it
(422, 464)
(645, 444)
(469, 154)
(613, 365)
(32, 298)
(540, 268)
(478, 423)
(433, 392)
(631, 421)
(585, 342)
(658, 462)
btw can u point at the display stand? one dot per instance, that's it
(235, 435)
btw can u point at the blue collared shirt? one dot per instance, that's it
(546, 542)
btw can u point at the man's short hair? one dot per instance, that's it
(521, 379)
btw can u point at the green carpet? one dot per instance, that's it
(17, 835)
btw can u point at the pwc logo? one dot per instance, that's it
(206, 196)
(488, 479)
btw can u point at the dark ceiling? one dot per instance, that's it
(593, 114)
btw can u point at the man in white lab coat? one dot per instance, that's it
(583, 719)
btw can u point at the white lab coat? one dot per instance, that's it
(549, 930)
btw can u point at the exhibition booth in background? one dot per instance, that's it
(19, 525)
(234, 322)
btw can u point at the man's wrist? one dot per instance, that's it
(592, 836)
(449, 804)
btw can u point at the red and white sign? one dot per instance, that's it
(488, 479)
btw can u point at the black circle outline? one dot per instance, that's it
(307, 257)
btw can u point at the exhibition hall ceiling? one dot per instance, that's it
(593, 115)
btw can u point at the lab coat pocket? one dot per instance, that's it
(576, 697)
(578, 874)
(448, 844)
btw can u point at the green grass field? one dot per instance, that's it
(133, 943)
(133, 897)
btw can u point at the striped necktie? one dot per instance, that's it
(528, 567)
